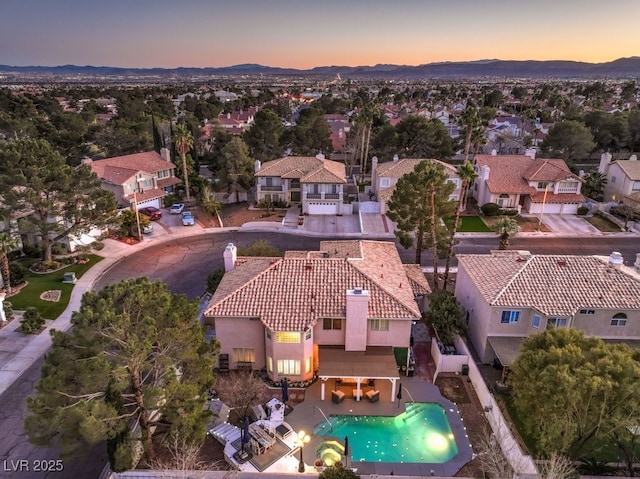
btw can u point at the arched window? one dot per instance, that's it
(619, 319)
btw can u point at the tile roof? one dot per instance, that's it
(630, 167)
(559, 198)
(552, 284)
(308, 169)
(120, 168)
(511, 173)
(396, 169)
(294, 292)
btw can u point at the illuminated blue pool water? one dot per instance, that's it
(421, 434)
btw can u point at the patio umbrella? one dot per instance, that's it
(285, 390)
(399, 395)
(346, 451)
(245, 432)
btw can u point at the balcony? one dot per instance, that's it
(270, 188)
(314, 196)
(331, 196)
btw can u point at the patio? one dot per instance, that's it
(312, 411)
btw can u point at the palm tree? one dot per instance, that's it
(467, 174)
(470, 118)
(183, 143)
(507, 227)
(594, 184)
(7, 244)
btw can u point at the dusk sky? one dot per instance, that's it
(308, 33)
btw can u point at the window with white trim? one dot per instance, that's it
(556, 323)
(307, 334)
(379, 324)
(636, 186)
(587, 311)
(289, 367)
(619, 319)
(385, 182)
(510, 317)
(536, 321)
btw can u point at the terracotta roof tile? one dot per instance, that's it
(264, 287)
(308, 169)
(396, 169)
(630, 167)
(553, 284)
(117, 168)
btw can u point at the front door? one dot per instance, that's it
(295, 197)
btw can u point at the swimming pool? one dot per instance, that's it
(421, 434)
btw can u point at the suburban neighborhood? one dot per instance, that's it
(251, 269)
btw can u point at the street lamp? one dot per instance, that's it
(303, 438)
(135, 206)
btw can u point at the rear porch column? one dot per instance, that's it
(393, 389)
(322, 383)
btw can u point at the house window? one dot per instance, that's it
(287, 337)
(295, 184)
(307, 334)
(542, 185)
(314, 188)
(613, 179)
(332, 189)
(510, 317)
(503, 200)
(244, 355)
(556, 323)
(379, 324)
(619, 319)
(289, 367)
(454, 181)
(269, 364)
(307, 365)
(268, 181)
(636, 186)
(385, 182)
(536, 321)
(163, 174)
(331, 323)
(267, 333)
(587, 311)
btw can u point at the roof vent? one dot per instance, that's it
(562, 263)
(520, 259)
(308, 267)
(357, 290)
(616, 260)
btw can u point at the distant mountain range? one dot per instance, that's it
(620, 68)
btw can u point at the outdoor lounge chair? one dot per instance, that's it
(337, 396)
(373, 395)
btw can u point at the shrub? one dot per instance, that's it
(8, 310)
(625, 212)
(582, 210)
(59, 249)
(32, 250)
(508, 212)
(17, 273)
(97, 245)
(31, 322)
(213, 280)
(490, 209)
(46, 266)
(338, 471)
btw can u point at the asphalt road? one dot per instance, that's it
(184, 265)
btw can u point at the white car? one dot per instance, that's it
(188, 219)
(176, 208)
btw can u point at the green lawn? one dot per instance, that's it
(472, 224)
(39, 283)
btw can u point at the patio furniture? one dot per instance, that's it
(337, 396)
(261, 441)
(372, 395)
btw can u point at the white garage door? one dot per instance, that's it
(155, 203)
(322, 209)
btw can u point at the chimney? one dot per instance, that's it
(531, 153)
(605, 159)
(374, 172)
(357, 320)
(633, 158)
(257, 165)
(87, 161)
(165, 154)
(485, 172)
(616, 260)
(636, 265)
(230, 255)
(395, 158)
(581, 174)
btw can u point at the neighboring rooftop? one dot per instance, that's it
(552, 284)
(308, 169)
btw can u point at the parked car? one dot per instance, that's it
(188, 219)
(152, 212)
(176, 208)
(147, 229)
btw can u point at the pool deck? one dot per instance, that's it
(307, 414)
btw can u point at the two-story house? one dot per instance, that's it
(314, 182)
(384, 177)
(527, 184)
(142, 179)
(510, 295)
(623, 177)
(337, 312)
